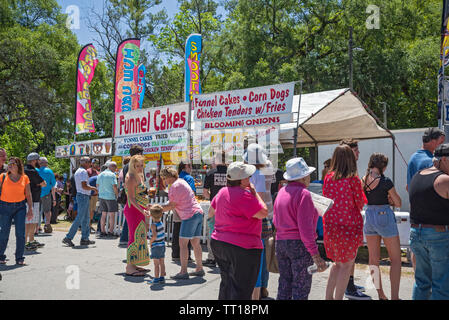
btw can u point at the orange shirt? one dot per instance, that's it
(13, 191)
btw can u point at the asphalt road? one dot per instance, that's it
(57, 272)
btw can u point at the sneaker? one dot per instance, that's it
(180, 276)
(30, 247)
(200, 273)
(161, 279)
(68, 242)
(86, 242)
(209, 263)
(92, 230)
(37, 244)
(48, 228)
(356, 295)
(154, 281)
(360, 288)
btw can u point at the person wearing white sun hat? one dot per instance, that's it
(295, 219)
(236, 240)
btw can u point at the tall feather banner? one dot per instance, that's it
(87, 61)
(126, 92)
(192, 66)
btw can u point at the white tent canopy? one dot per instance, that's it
(329, 116)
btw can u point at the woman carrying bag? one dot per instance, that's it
(15, 199)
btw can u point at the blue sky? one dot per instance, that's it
(83, 34)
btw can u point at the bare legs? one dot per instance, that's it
(338, 280)
(394, 252)
(111, 221)
(29, 232)
(184, 253)
(159, 268)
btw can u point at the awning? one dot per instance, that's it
(329, 116)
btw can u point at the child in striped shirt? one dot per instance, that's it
(157, 243)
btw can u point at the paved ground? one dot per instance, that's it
(98, 272)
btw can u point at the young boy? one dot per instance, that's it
(157, 243)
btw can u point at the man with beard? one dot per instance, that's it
(36, 184)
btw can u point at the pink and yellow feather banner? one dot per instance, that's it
(87, 61)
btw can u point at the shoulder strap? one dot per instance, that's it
(3, 180)
(367, 186)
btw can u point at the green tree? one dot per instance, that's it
(36, 69)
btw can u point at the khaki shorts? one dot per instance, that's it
(93, 203)
(35, 218)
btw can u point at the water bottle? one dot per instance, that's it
(314, 268)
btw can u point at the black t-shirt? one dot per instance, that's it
(277, 178)
(379, 195)
(215, 180)
(72, 186)
(35, 181)
(426, 205)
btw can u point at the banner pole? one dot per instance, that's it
(295, 135)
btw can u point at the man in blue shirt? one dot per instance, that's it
(184, 171)
(108, 193)
(422, 159)
(48, 197)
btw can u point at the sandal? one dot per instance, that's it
(21, 263)
(143, 269)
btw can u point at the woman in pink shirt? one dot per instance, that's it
(295, 219)
(236, 240)
(182, 199)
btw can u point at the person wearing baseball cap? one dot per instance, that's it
(36, 184)
(236, 240)
(295, 218)
(94, 170)
(429, 232)
(422, 158)
(48, 193)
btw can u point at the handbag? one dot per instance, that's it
(122, 198)
(270, 255)
(1, 185)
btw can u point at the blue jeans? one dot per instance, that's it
(82, 218)
(431, 249)
(262, 280)
(9, 211)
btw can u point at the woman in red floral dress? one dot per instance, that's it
(343, 223)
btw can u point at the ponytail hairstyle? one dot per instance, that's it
(378, 161)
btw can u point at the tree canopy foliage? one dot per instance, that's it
(246, 43)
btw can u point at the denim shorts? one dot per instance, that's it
(192, 227)
(380, 221)
(158, 252)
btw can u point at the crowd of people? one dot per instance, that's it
(250, 202)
